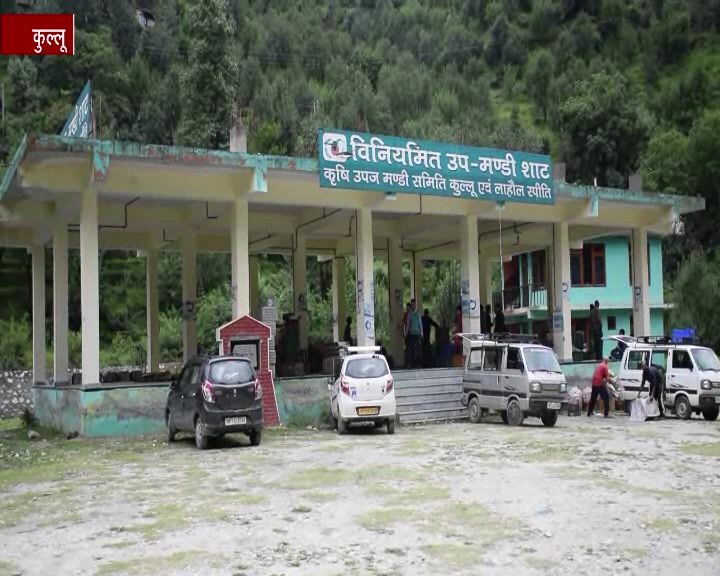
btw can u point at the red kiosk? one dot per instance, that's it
(250, 338)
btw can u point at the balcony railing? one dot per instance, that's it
(521, 297)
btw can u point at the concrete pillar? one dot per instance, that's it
(60, 302)
(365, 281)
(641, 299)
(38, 318)
(240, 257)
(153, 310)
(338, 298)
(485, 264)
(562, 331)
(470, 276)
(300, 288)
(254, 286)
(90, 287)
(397, 308)
(416, 291)
(189, 294)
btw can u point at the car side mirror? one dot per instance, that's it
(330, 381)
(692, 368)
(521, 366)
(173, 385)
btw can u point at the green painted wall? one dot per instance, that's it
(124, 411)
(303, 401)
(58, 408)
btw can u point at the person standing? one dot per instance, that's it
(427, 324)
(499, 321)
(405, 335)
(600, 378)
(415, 332)
(654, 378)
(488, 319)
(597, 330)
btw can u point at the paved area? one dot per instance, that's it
(587, 497)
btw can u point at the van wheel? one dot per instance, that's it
(503, 416)
(342, 426)
(171, 430)
(255, 437)
(682, 408)
(549, 418)
(201, 438)
(474, 410)
(391, 425)
(515, 414)
(711, 414)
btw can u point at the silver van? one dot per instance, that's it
(514, 376)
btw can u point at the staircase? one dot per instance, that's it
(427, 395)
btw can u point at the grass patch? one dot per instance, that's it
(321, 497)
(302, 509)
(151, 564)
(418, 494)
(165, 518)
(317, 477)
(384, 517)
(662, 524)
(8, 569)
(10, 424)
(395, 551)
(456, 555)
(119, 545)
(540, 563)
(470, 520)
(636, 552)
(710, 449)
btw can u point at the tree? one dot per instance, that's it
(208, 84)
(538, 78)
(604, 130)
(664, 163)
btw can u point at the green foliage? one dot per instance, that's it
(664, 164)
(16, 343)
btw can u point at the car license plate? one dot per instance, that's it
(368, 411)
(553, 405)
(717, 399)
(235, 421)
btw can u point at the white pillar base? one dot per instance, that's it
(470, 278)
(60, 303)
(153, 311)
(240, 256)
(38, 318)
(365, 281)
(90, 287)
(641, 281)
(561, 319)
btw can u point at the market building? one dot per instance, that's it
(366, 196)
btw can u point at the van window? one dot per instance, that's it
(681, 360)
(513, 359)
(491, 360)
(706, 359)
(475, 360)
(635, 357)
(659, 359)
(366, 368)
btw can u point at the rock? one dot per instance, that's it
(32, 435)
(72, 435)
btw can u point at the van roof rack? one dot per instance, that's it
(501, 338)
(363, 349)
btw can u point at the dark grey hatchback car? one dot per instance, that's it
(214, 396)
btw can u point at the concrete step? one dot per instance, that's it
(425, 390)
(433, 415)
(418, 407)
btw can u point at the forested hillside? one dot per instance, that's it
(607, 86)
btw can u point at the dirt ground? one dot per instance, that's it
(587, 497)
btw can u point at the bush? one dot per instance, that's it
(16, 343)
(171, 338)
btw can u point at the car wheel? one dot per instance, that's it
(255, 437)
(711, 414)
(391, 425)
(515, 414)
(683, 408)
(503, 416)
(201, 437)
(474, 410)
(171, 430)
(549, 418)
(342, 426)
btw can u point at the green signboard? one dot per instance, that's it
(354, 160)
(79, 122)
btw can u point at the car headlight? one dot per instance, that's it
(706, 385)
(535, 387)
(563, 387)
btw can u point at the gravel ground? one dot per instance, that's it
(587, 497)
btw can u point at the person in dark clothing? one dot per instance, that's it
(597, 331)
(406, 336)
(347, 335)
(415, 335)
(654, 378)
(547, 340)
(500, 321)
(488, 320)
(600, 378)
(427, 324)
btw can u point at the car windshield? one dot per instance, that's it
(541, 360)
(231, 372)
(366, 368)
(706, 359)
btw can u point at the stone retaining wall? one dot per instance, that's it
(15, 392)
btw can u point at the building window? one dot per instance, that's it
(539, 262)
(587, 266)
(612, 322)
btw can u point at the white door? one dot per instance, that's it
(631, 373)
(681, 375)
(512, 380)
(491, 393)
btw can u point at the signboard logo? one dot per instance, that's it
(79, 122)
(37, 34)
(334, 147)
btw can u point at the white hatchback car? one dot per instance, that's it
(363, 390)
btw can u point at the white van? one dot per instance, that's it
(513, 375)
(692, 375)
(362, 390)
